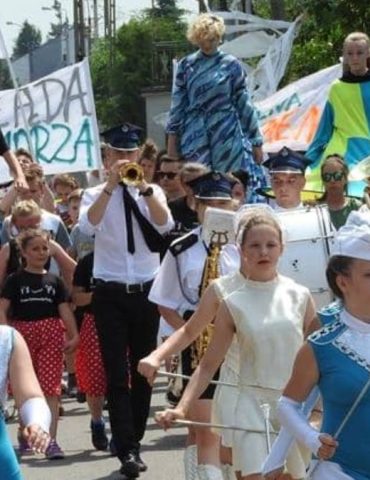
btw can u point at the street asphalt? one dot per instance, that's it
(162, 451)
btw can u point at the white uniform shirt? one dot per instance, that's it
(177, 284)
(112, 261)
(277, 207)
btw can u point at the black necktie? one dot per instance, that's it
(152, 237)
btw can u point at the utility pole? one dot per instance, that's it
(79, 29)
(96, 20)
(110, 26)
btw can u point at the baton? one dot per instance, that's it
(163, 373)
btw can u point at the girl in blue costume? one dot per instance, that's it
(16, 366)
(344, 126)
(337, 360)
(211, 114)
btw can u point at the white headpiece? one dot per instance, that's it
(247, 211)
(353, 239)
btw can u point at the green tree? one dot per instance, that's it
(28, 39)
(118, 88)
(5, 80)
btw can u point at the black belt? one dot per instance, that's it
(127, 288)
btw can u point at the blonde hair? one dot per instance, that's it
(355, 37)
(253, 218)
(205, 27)
(25, 208)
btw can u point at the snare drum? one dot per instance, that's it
(308, 239)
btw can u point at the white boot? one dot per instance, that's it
(209, 472)
(191, 462)
(228, 472)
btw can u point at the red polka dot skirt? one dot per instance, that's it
(89, 365)
(45, 341)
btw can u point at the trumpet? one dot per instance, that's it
(131, 174)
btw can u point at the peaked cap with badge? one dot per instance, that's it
(287, 161)
(123, 137)
(212, 186)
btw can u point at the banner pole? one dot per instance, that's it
(17, 91)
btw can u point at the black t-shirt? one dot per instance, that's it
(83, 277)
(34, 296)
(3, 145)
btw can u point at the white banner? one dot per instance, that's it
(60, 113)
(290, 117)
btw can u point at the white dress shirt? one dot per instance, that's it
(112, 261)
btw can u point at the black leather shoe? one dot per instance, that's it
(130, 468)
(143, 467)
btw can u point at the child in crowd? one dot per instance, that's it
(82, 244)
(27, 214)
(36, 304)
(89, 367)
(63, 186)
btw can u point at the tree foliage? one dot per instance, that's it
(118, 87)
(28, 39)
(5, 80)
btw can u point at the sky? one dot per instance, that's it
(17, 11)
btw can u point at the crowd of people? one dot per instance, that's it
(110, 281)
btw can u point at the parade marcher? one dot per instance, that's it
(336, 358)
(16, 368)
(127, 223)
(268, 312)
(13, 164)
(286, 169)
(212, 119)
(37, 302)
(27, 214)
(89, 365)
(334, 175)
(176, 290)
(344, 124)
(225, 398)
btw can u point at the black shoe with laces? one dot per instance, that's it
(130, 468)
(143, 467)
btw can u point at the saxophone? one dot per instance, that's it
(210, 272)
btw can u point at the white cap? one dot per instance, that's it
(352, 240)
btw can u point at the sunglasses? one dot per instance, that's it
(336, 176)
(169, 175)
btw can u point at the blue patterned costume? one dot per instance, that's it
(343, 357)
(9, 468)
(212, 115)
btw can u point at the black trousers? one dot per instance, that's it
(127, 327)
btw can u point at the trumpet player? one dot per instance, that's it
(186, 267)
(128, 217)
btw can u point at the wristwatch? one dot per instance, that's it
(148, 192)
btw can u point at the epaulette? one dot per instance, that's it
(183, 243)
(330, 313)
